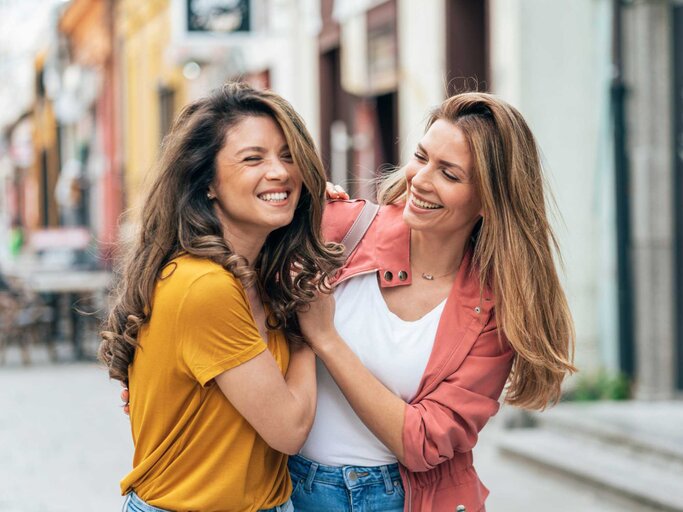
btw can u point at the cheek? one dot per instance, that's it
(411, 171)
(474, 204)
(295, 176)
(465, 203)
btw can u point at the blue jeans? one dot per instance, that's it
(134, 503)
(345, 488)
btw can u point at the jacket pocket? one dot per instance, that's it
(471, 494)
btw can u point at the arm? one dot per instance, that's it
(449, 418)
(380, 409)
(220, 342)
(280, 410)
(429, 432)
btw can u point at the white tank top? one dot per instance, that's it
(394, 350)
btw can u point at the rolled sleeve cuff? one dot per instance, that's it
(206, 375)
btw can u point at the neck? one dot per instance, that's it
(436, 254)
(247, 246)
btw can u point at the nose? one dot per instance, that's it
(422, 179)
(277, 171)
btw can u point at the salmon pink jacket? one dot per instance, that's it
(467, 370)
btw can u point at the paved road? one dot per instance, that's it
(64, 445)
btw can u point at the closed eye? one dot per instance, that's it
(419, 156)
(449, 176)
(252, 158)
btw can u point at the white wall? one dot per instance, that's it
(292, 54)
(422, 64)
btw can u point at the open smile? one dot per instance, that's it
(424, 205)
(274, 197)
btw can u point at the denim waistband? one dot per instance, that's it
(343, 476)
(134, 502)
(287, 506)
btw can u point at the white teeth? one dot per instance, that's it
(424, 204)
(278, 196)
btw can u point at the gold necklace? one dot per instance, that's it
(431, 277)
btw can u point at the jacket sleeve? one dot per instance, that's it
(448, 419)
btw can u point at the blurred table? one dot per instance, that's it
(70, 281)
(78, 289)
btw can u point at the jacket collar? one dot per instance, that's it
(386, 250)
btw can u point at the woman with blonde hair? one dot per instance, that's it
(451, 293)
(207, 296)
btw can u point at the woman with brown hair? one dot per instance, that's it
(451, 293)
(206, 299)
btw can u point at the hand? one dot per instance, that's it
(333, 191)
(125, 396)
(317, 322)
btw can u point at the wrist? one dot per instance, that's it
(325, 343)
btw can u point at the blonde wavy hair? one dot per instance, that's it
(178, 218)
(513, 243)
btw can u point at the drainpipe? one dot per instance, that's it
(622, 187)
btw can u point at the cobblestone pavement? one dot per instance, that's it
(64, 445)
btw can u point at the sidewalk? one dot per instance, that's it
(519, 487)
(64, 445)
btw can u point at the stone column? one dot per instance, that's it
(647, 62)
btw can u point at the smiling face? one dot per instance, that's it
(442, 196)
(257, 184)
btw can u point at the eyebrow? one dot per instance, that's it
(445, 163)
(258, 149)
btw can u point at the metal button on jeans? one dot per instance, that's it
(353, 476)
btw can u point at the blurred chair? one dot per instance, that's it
(25, 320)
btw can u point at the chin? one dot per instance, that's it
(409, 218)
(417, 224)
(276, 224)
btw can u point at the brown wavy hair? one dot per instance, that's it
(514, 244)
(178, 218)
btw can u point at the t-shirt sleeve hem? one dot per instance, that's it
(206, 375)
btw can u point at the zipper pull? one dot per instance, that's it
(460, 508)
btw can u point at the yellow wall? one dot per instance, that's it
(86, 24)
(40, 194)
(144, 32)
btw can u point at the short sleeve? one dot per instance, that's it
(216, 329)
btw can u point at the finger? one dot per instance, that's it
(125, 395)
(341, 193)
(126, 410)
(330, 191)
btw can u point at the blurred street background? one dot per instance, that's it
(89, 88)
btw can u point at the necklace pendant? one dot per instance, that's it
(428, 277)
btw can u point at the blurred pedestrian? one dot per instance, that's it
(451, 293)
(16, 239)
(207, 296)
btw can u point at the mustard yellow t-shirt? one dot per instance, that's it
(193, 450)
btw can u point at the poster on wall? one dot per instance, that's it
(216, 17)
